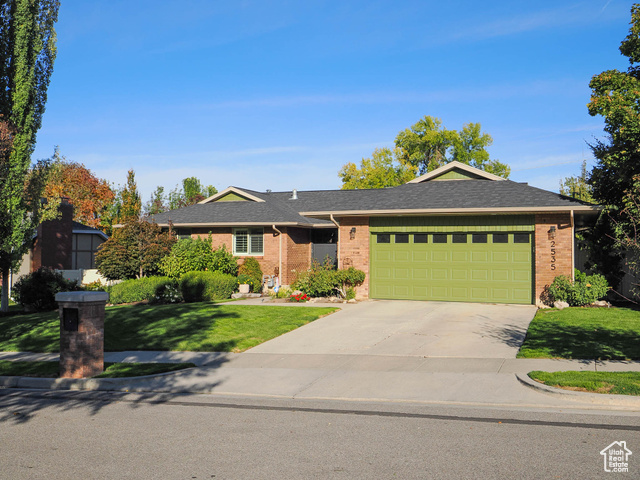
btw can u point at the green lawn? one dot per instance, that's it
(198, 327)
(621, 383)
(591, 333)
(111, 370)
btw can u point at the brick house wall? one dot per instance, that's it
(355, 252)
(296, 253)
(553, 253)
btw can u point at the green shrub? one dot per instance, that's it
(207, 286)
(188, 255)
(197, 255)
(139, 289)
(37, 290)
(94, 287)
(167, 292)
(224, 261)
(251, 267)
(321, 280)
(244, 279)
(585, 290)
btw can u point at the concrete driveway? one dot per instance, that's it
(404, 328)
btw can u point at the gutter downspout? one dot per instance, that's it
(573, 248)
(279, 252)
(338, 249)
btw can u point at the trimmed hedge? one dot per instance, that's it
(152, 289)
(207, 286)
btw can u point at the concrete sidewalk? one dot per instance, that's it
(470, 381)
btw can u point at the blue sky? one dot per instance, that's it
(279, 95)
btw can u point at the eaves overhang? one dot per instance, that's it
(586, 209)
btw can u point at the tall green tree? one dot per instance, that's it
(428, 145)
(615, 96)
(578, 186)
(27, 54)
(191, 192)
(127, 205)
(383, 169)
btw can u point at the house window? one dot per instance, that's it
(459, 238)
(500, 238)
(248, 241)
(439, 238)
(383, 238)
(83, 250)
(420, 238)
(402, 238)
(479, 238)
(520, 238)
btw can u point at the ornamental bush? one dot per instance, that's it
(207, 286)
(37, 290)
(251, 268)
(197, 255)
(152, 289)
(321, 280)
(584, 290)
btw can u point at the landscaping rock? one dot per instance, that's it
(353, 300)
(601, 303)
(560, 305)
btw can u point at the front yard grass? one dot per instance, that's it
(111, 370)
(621, 383)
(584, 333)
(197, 327)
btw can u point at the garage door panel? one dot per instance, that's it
(460, 257)
(439, 274)
(477, 272)
(419, 256)
(459, 274)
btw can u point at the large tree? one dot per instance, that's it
(27, 53)
(191, 192)
(615, 96)
(90, 196)
(383, 169)
(134, 250)
(428, 145)
(578, 186)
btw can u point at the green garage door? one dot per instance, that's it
(465, 259)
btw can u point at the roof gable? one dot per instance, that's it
(232, 194)
(456, 171)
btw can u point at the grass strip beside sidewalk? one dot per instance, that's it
(620, 383)
(112, 370)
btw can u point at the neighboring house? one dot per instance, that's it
(65, 245)
(454, 234)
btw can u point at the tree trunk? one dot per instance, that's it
(5, 291)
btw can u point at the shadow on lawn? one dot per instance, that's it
(583, 343)
(21, 405)
(165, 327)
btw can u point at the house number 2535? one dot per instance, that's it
(553, 255)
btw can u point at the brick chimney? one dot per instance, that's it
(52, 247)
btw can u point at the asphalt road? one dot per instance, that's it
(99, 435)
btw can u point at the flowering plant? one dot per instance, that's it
(300, 297)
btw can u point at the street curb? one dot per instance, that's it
(595, 398)
(124, 384)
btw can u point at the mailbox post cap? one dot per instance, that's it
(81, 297)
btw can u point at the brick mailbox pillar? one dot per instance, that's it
(81, 333)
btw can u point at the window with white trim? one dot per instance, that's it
(248, 241)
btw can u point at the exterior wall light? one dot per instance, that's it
(552, 232)
(352, 233)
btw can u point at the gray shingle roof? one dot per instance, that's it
(453, 196)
